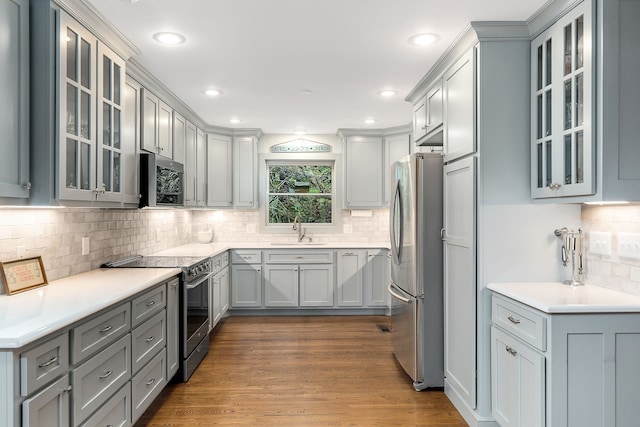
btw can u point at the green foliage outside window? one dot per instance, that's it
(300, 190)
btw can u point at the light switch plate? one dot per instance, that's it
(629, 245)
(85, 246)
(600, 243)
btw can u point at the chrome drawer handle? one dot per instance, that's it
(511, 351)
(513, 320)
(151, 303)
(66, 389)
(151, 381)
(107, 374)
(49, 363)
(106, 329)
(151, 338)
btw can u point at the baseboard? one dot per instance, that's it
(470, 416)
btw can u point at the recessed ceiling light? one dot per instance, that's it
(169, 39)
(423, 39)
(300, 132)
(369, 121)
(387, 93)
(235, 120)
(213, 92)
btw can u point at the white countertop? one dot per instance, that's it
(213, 249)
(554, 297)
(30, 315)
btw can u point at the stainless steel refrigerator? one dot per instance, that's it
(416, 284)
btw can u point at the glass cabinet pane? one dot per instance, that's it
(539, 165)
(72, 110)
(72, 55)
(568, 45)
(540, 58)
(106, 124)
(539, 118)
(85, 166)
(106, 77)
(85, 64)
(548, 163)
(579, 99)
(117, 71)
(580, 157)
(85, 114)
(72, 163)
(116, 128)
(547, 106)
(106, 169)
(548, 63)
(580, 42)
(567, 159)
(567, 104)
(116, 172)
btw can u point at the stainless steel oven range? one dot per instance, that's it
(194, 304)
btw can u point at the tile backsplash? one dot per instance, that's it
(612, 271)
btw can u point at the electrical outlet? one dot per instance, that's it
(20, 251)
(600, 243)
(85, 246)
(629, 245)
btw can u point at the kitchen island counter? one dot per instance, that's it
(30, 315)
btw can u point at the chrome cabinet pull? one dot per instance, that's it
(511, 351)
(554, 186)
(27, 185)
(66, 389)
(106, 329)
(151, 338)
(151, 381)
(151, 303)
(107, 374)
(513, 320)
(49, 362)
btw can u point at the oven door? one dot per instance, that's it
(195, 313)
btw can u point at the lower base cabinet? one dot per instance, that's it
(115, 412)
(148, 383)
(49, 407)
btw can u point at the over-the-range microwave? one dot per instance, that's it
(161, 182)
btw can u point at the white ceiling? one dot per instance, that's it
(262, 53)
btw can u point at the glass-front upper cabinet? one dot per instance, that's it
(562, 152)
(91, 113)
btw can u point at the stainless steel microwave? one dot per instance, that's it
(161, 181)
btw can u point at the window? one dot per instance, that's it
(302, 189)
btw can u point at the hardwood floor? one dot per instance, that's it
(300, 371)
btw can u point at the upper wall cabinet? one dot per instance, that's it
(14, 105)
(364, 172)
(428, 117)
(190, 176)
(179, 134)
(245, 172)
(157, 127)
(91, 147)
(219, 171)
(459, 107)
(584, 103)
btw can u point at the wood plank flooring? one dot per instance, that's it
(300, 371)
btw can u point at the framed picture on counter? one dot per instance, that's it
(23, 274)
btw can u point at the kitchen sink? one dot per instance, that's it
(298, 244)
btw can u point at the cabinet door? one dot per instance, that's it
(420, 119)
(112, 149)
(201, 168)
(246, 286)
(517, 382)
(190, 165)
(173, 320)
(377, 278)
(179, 131)
(350, 266)
(280, 285)
(14, 107)
(434, 112)
(396, 147)
(460, 277)
(131, 139)
(562, 149)
(77, 94)
(219, 168)
(364, 172)
(316, 285)
(245, 163)
(50, 407)
(150, 110)
(459, 105)
(224, 291)
(165, 130)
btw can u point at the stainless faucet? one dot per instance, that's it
(297, 225)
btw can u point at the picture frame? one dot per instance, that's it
(23, 274)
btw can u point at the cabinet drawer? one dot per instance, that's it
(148, 383)
(91, 336)
(525, 323)
(224, 259)
(149, 303)
(43, 364)
(216, 264)
(99, 377)
(147, 339)
(294, 257)
(116, 412)
(246, 257)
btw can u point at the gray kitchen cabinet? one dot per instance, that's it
(190, 165)
(49, 407)
(364, 168)
(157, 128)
(220, 296)
(201, 168)
(246, 278)
(131, 138)
(147, 384)
(115, 412)
(179, 135)
(281, 285)
(173, 324)
(316, 285)
(459, 107)
(396, 146)
(376, 278)
(147, 339)
(14, 107)
(245, 172)
(428, 117)
(219, 171)
(350, 265)
(44, 363)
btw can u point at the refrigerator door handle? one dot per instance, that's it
(392, 290)
(395, 226)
